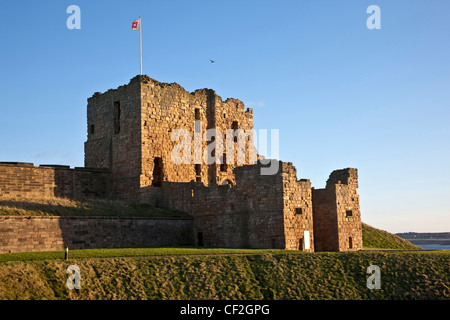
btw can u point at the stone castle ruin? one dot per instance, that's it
(129, 156)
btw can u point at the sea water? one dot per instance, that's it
(434, 246)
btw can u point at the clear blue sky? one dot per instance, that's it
(340, 94)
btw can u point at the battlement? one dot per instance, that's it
(145, 80)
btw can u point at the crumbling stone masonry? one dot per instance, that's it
(337, 216)
(134, 132)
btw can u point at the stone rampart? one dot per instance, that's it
(27, 234)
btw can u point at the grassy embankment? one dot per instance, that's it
(231, 274)
(375, 238)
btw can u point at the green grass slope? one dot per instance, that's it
(280, 275)
(374, 238)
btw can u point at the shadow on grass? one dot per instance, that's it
(84, 208)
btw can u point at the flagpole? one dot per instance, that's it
(140, 43)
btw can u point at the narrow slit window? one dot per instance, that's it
(223, 165)
(92, 129)
(235, 127)
(197, 114)
(117, 117)
(350, 243)
(213, 151)
(198, 172)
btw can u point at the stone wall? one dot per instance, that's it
(26, 181)
(167, 108)
(114, 137)
(259, 211)
(337, 216)
(27, 234)
(348, 209)
(298, 210)
(325, 220)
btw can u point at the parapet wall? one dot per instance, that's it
(26, 181)
(27, 234)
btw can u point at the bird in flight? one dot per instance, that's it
(212, 61)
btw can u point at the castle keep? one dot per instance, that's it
(130, 133)
(129, 156)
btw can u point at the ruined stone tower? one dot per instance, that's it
(130, 131)
(337, 217)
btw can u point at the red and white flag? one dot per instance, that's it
(136, 24)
